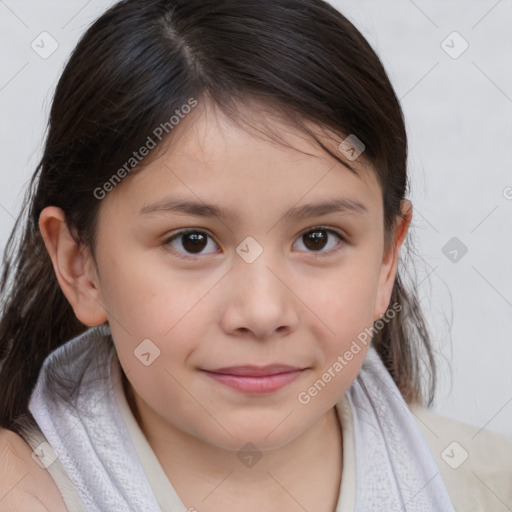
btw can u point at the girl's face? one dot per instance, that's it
(262, 280)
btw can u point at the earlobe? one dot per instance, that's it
(73, 267)
(390, 261)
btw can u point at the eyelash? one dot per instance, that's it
(310, 230)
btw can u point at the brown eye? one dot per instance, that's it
(315, 240)
(194, 242)
(319, 238)
(191, 242)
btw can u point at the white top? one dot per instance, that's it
(169, 500)
(482, 483)
(166, 496)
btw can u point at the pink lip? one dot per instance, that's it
(256, 371)
(254, 379)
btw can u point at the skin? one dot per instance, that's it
(24, 484)
(293, 304)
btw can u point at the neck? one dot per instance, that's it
(303, 474)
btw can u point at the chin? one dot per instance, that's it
(264, 435)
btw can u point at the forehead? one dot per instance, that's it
(242, 164)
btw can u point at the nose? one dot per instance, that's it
(259, 303)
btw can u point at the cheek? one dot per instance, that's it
(157, 366)
(345, 307)
(342, 300)
(149, 298)
(156, 324)
(161, 392)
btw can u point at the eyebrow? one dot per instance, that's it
(201, 209)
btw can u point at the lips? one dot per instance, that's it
(256, 371)
(251, 379)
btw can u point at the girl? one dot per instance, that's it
(204, 311)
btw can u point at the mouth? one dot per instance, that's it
(255, 379)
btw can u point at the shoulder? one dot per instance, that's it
(24, 484)
(475, 464)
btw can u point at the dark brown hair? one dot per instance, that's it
(133, 68)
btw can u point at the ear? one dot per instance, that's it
(389, 266)
(74, 268)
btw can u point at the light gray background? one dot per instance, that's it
(459, 119)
